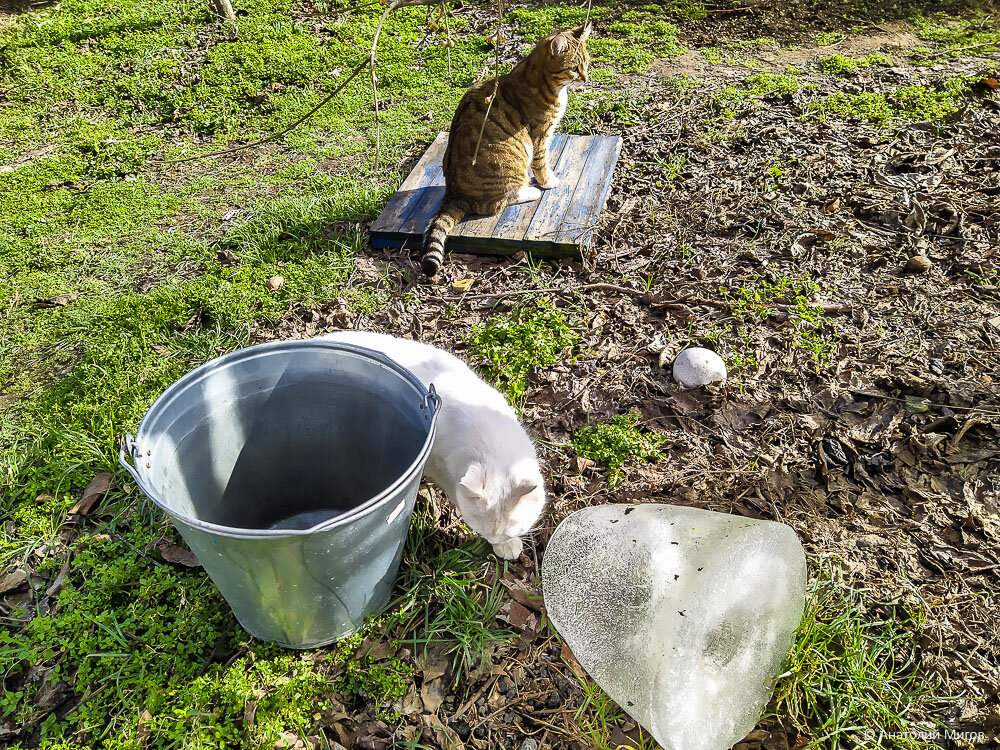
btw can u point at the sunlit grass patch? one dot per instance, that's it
(534, 334)
(445, 595)
(618, 442)
(854, 673)
(904, 104)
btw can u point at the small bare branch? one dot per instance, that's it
(371, 63)
(496, 79)
(223, 9)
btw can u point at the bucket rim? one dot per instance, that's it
(132, 447)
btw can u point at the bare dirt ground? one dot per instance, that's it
(885, 454)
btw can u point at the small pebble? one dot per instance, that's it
(696, 366)
(918, 264)
(529, 744)
(462, 729)
(275, 283)
(554, 701)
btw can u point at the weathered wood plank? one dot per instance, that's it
(559, 224)
(388, 226)
(577, 226)
(545, 223)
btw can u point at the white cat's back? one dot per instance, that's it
(450, 375)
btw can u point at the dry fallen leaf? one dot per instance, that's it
(462, 285)
(60, 580)
(443, 736)
(432, 693)
(518, 616)
(411, 703)
(14, 579)
(433, 662)
(295, 741)
(174, 553)
(144, 729)
(571, 662)
(94, 491)
(60, 300)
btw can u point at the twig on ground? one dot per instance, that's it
(274, 136)
(447, 31)
(471, 702)
(223, 9)
(964, 49)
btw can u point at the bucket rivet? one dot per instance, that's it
(149, 452)
(148, 464)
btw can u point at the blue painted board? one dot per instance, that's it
(559, 224)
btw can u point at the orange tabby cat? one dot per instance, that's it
(530, 101)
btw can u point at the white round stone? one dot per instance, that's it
(697, 366)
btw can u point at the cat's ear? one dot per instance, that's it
(473, 481)
(582, 32)
(526, 486)
(558, 45)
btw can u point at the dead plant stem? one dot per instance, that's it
(371, 64)
(496, 80)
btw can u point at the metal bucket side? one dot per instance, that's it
(306, 592)
(303, 588)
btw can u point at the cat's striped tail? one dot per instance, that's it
(437, 232)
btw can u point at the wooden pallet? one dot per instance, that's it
(559, 224)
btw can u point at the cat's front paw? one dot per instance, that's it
(508, 549)
(552, 182)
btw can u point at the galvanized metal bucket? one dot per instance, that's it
(291, 470)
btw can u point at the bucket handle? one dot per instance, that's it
(431, 403)
(129, 449)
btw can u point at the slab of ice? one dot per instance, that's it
(683, 616)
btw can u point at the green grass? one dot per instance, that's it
(756, 86)
(828, 38)
(134, 637)
(756, 302)
(840, 65)
(617, 443)
(444, 596)
(854, 674)
(534, 334)
(97, 96)
(596, 716)
(904, 104)
(954, 35)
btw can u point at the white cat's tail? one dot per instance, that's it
(444, 220)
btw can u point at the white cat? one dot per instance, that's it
(482, 458)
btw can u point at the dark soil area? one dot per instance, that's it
(883, 451)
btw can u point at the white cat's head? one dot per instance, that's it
(502, 505)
